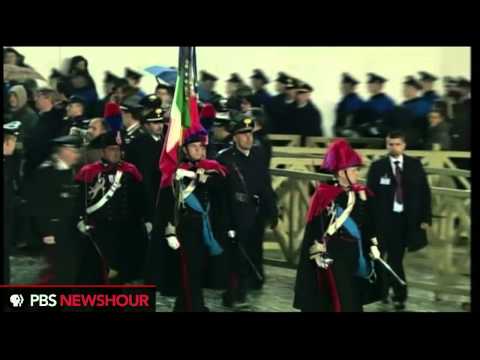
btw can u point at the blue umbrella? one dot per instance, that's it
(167, 74)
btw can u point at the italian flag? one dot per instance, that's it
(183, 114)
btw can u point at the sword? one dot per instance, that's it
(252, 265)
(390, 270)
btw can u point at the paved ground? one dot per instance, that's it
(277, 293)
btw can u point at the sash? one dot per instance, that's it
(213, 247)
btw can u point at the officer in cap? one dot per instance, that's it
(376, 107)
(53, 201)
(220, 138)
(11, 131)
(260, 95)
(114, 210)
(307, 118)
(145, 153)
(348, 107)
(275, 108)
(132, 122)
(419, 109)
(252, 203)
(427, 81)
(134, 78)
(77, 122)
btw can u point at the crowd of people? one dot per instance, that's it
(82, 181)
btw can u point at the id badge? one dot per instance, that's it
(385, 181)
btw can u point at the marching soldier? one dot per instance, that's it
(376, 108)
(134, 78)
(260, 94)
(427, 81)
(11, 131)
(252, 205)
(348, 107)
(206, 89)
(419, 109)
(53, 202)
(277, 102)
(336, 272)
(145, 153)
(306, 118)
(187, 225)
(113, 202)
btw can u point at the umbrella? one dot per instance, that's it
(167, 74)
(19, 73)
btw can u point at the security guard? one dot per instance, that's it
(252, 204)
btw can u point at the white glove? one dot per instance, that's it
(49, 240)
(374, 252)
(231, 234)
(149, 227)
(181, 173)
(173, 242)
(202, 177)
(83, 228)
(323, 262)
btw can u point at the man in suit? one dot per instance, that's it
(402, 209)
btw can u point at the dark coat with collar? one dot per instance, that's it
(416, 199)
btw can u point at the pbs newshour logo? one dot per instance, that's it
(35, 300)
(16, 300)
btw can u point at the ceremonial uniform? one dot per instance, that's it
(335, 272)
(53, 203)
(113, 201)
(252, 204)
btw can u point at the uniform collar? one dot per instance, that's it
(156, 138)
(244, 152)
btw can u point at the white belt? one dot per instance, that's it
(334, 226)
(108, 195)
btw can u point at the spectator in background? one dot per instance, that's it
(462, 121)
(50, 125)
(83, 85)
(439, 129)
(13, 57)
(20, 111)
(165, 93)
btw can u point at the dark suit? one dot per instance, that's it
(400, 231)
